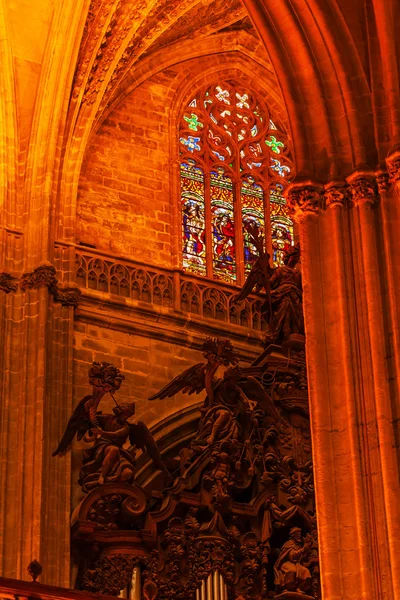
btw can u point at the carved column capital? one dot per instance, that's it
(43, 276)
(8, 283)
(305, 198)
(382, 181)
(393, 167)
(336, 194)
(68, 295)
(362, 187)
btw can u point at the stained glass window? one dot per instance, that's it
(234, 166)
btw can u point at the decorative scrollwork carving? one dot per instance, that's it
(110, 575)
(238, 509)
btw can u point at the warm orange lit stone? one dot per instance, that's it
(92, 159)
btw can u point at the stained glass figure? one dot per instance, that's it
(223, 228)
(252, 200)
(281, 224)
(193, 219)
(229, 147)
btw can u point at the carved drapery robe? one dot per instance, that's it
(123, 467)
(288, 570)
(286, 300)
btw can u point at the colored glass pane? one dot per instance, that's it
(274, 144)
(252, 200)
(223, 228)
(282, 169)
(282, 235)
(191, 143)
(193, 122)
(193, 218)
(229, 131)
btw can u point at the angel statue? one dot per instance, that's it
(107, 460)
(232, 401)
(283, 308)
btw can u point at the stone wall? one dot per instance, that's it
(123, 203)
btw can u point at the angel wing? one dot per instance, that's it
(255, 391)
(191, 381)
(78, 424)
(254, 278)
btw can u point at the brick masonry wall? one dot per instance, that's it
(124, 194)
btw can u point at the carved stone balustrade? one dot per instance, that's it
(168, 288)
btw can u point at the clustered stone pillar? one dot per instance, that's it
(36, 401)
(353, 415)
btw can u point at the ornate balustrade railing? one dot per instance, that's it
(13, 589)
(169, 288)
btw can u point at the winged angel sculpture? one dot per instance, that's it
(233, 401)
(106, 460)
(283, 309)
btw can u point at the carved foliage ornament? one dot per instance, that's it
(8, 283)
(305, 199)
(393, 166)
(42, 276)
(68, 296)
(110, 574)
(336, 194)
(383, 181)
(363, 189)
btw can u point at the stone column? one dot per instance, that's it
(354, 554)
(36, 403)
(379, 409)
(389, 190)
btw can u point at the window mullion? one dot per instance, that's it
(239, 245)
(267, 219)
